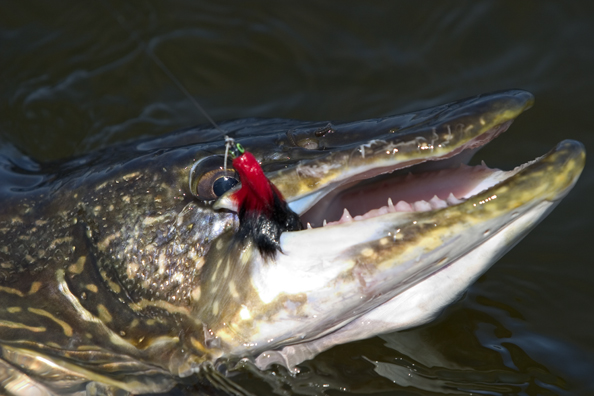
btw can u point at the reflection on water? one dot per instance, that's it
(73, 80)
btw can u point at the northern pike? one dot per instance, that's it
(121, 271)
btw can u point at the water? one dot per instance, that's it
(73, 80)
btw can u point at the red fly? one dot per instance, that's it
(263, 213)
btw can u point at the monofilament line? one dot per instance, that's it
(122, 21)
(228, 142)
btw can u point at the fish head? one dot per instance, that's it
(396, 226)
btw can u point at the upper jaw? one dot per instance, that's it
(398, 142)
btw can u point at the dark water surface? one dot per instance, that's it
(73, 79)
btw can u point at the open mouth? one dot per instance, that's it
(434, 184)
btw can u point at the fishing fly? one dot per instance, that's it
(263, 212)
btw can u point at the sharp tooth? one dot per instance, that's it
(422, 206)
(483, 164)
(324, 223)
(309, 226)
(452, 200)
(403, 206)
(391, 205)
(437, 203)
(346, 216)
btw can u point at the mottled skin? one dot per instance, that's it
(112, 268)
(129, 249)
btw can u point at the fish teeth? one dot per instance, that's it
(422, 206)
(346, 216)
(309, 227)
(383, 210)
(452, 200)
(391, 205)
(437, 203)
(403, 206)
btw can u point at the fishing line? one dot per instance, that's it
(229, 142)
(148, 51)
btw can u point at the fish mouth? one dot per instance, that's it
(420, 168)
(446, 181)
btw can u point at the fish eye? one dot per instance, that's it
(209, 179)
(223, 184)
